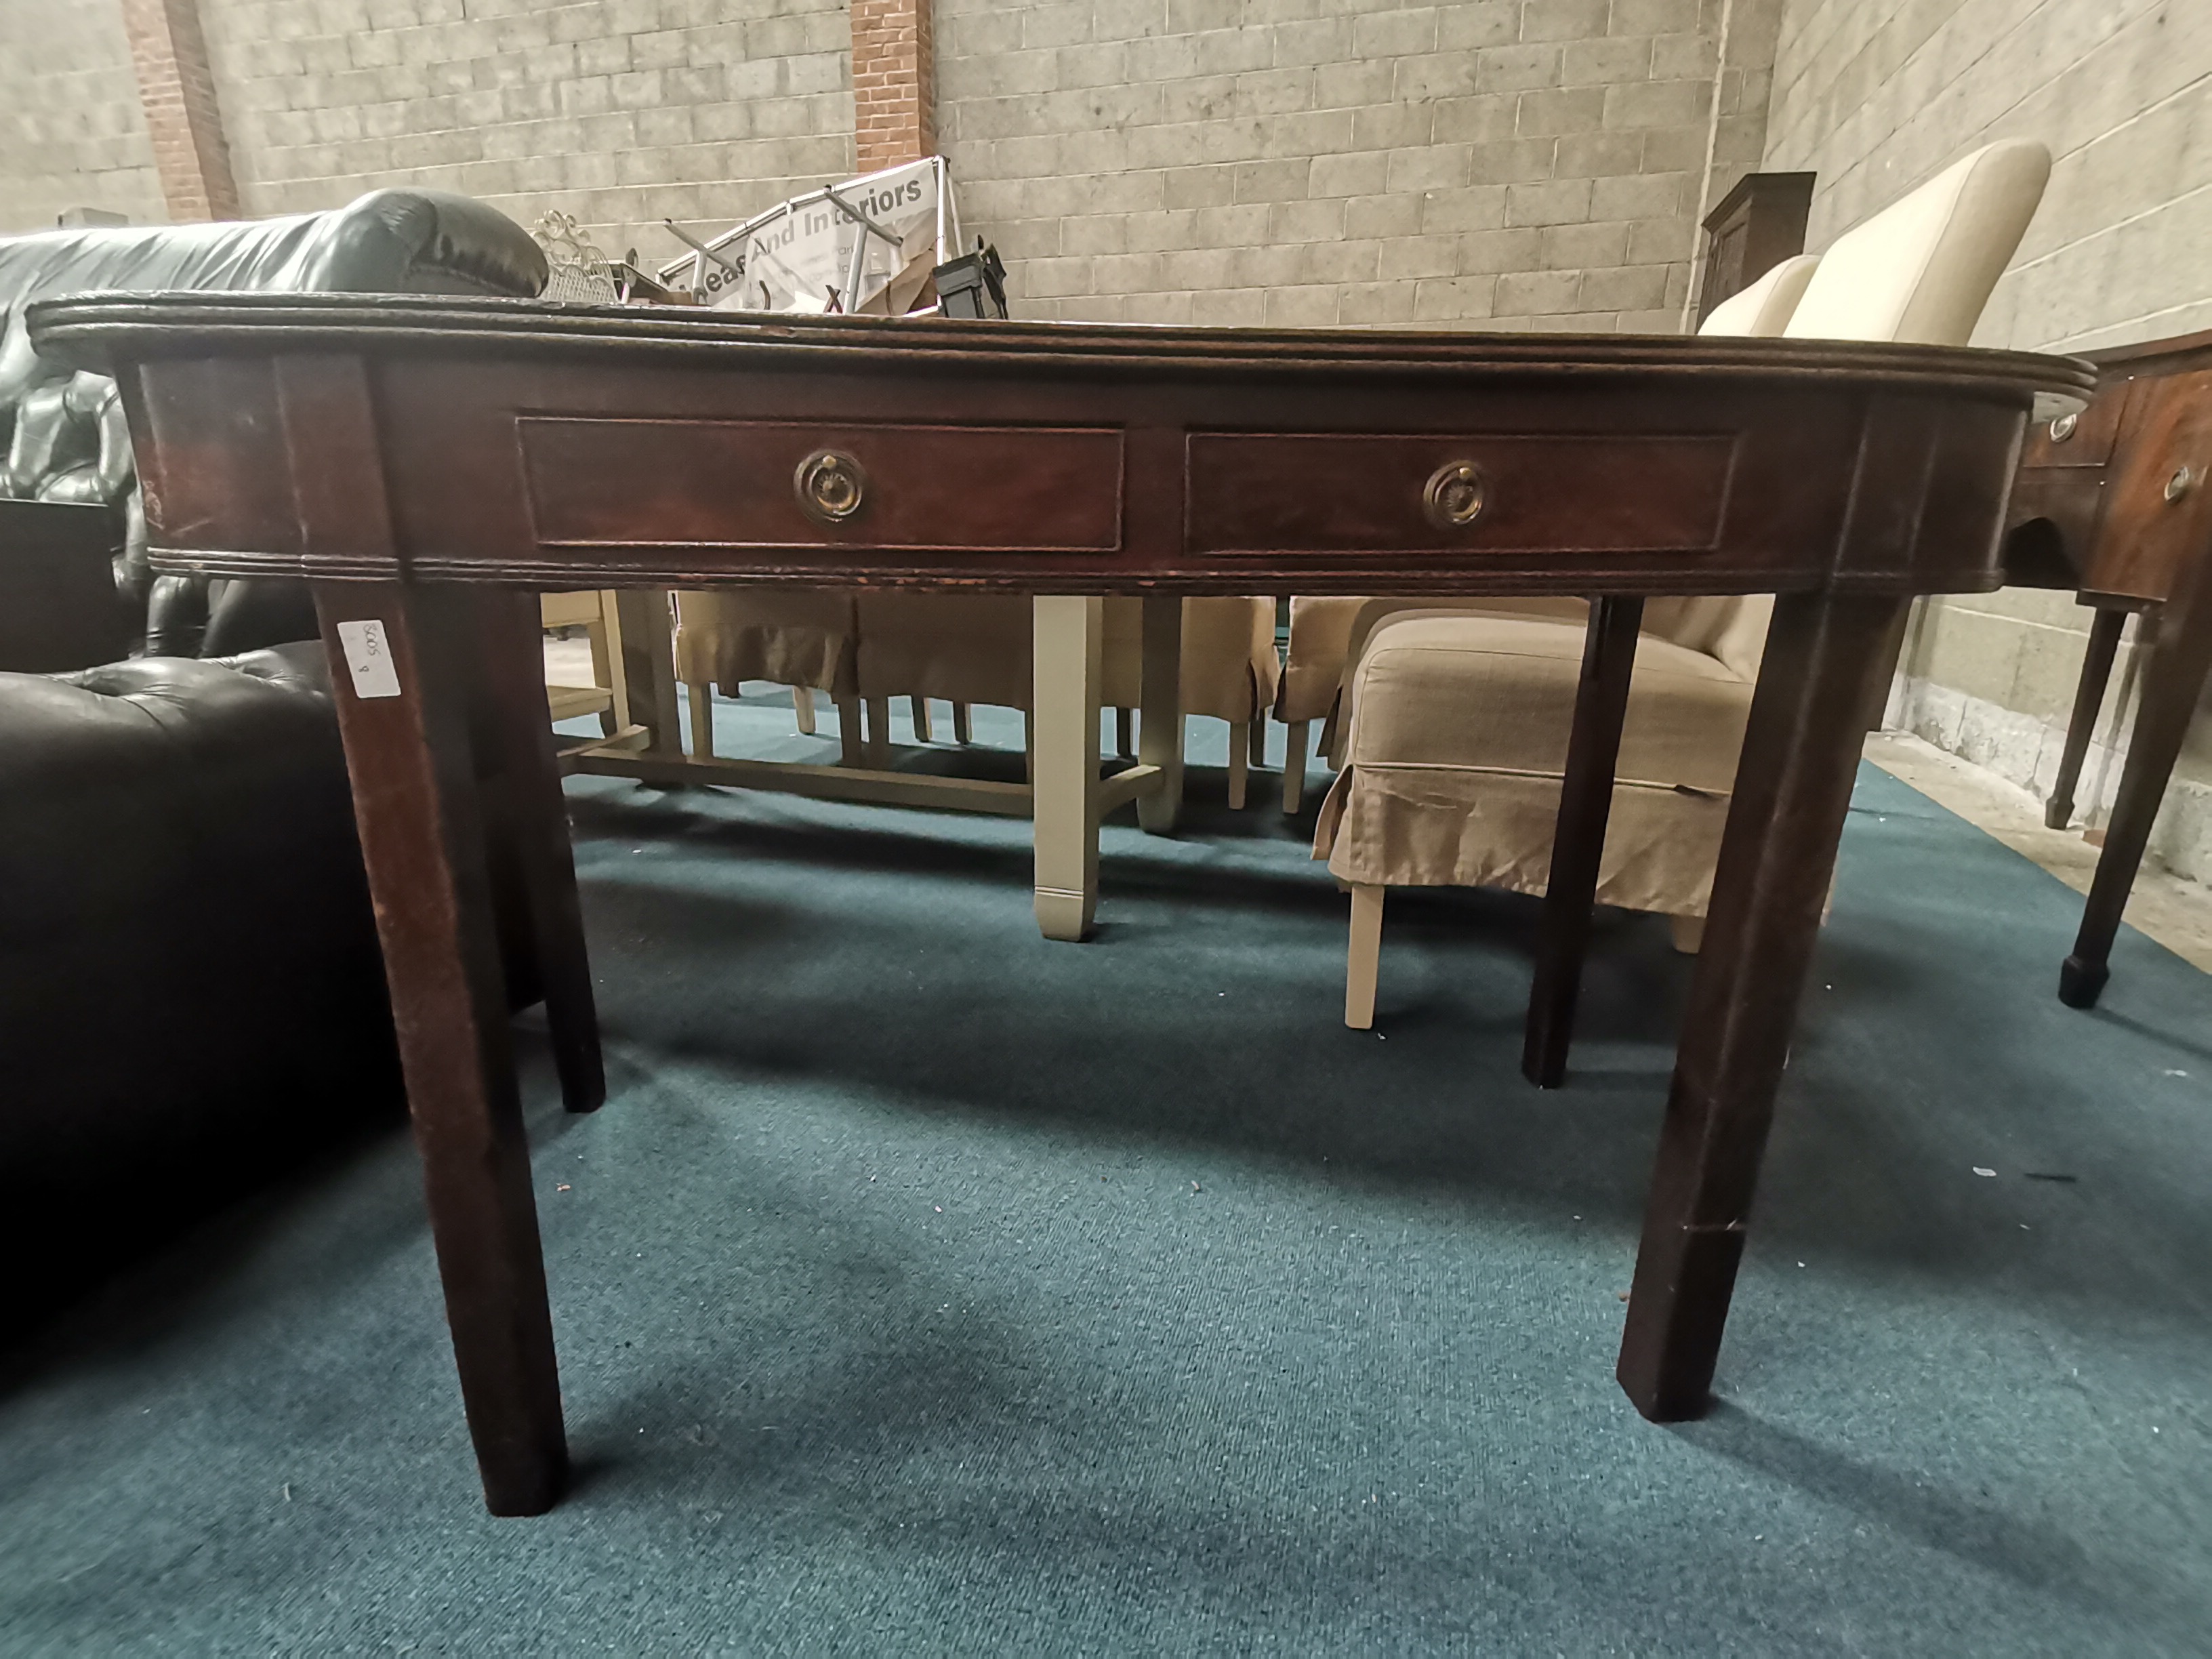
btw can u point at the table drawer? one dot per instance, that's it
(1314, 492)
(804, 483)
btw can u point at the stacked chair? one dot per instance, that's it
(1452, 723)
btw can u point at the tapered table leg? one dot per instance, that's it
(2105, 626)
(1159, 729)
(1793, 787)
(1578, 840)
(520, 727)
(2172, 681)
(403, 720)
(1065, 659)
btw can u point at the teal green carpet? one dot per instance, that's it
(925, 1288)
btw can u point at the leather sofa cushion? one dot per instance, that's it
(190, 991)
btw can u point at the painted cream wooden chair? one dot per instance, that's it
(607, 696)
(1326, 631)
(1456, 723)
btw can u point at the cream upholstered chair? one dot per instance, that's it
(1457, 722)
(1327, 631)
(975, 649)
(1765, 307)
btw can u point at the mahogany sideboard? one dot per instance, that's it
(428, 464)
(2116, 501)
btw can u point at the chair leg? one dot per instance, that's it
(611, 719)
(1125, 733)
(1578, 839)
(1688, 933)
(1239, 763)
(643, 633)
(702, 720)
(802, 705)
(919, 706)
(1159, 713)
(1257, 739)
(1362, 960)
(1298, 737)
(878, 742)
(851, 751)
(1333, 735)
(607, 665)
(963, 728)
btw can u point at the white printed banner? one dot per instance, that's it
(799, 256)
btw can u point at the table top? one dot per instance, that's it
(551, 446)
(96, 330)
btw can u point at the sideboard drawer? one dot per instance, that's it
(1263, 493)
(2082, 439)
(809, 484)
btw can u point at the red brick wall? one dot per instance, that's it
(893, 83)
(190, 154)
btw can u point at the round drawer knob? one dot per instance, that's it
(831, 486)
(2063, 427)
(2181, 484)
(1454, 496)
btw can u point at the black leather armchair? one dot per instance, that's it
(63, 435)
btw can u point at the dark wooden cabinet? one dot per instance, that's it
(1757, 226)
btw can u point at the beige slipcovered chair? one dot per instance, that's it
(1328, 630)
(1457, 722)
(806, 638)
(863, 649)
(975, 649)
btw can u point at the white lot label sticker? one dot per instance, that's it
(368, 660)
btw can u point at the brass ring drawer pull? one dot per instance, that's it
(831, 486)
(1454, 496)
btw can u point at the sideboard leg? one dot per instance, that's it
(1159, 728)
(2105, 626)
(2173, 682)
(408, 752)
(1578, 839)
(1793, 788)
(1066, 659)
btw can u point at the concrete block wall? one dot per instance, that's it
(1510, 164)
(619, 112)
(1875, 96)
(71, 130)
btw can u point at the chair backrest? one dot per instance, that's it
(1921, 270)
(1764, 309)
(1732, 628)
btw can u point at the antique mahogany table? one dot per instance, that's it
(2115, 502)
(428, 464)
